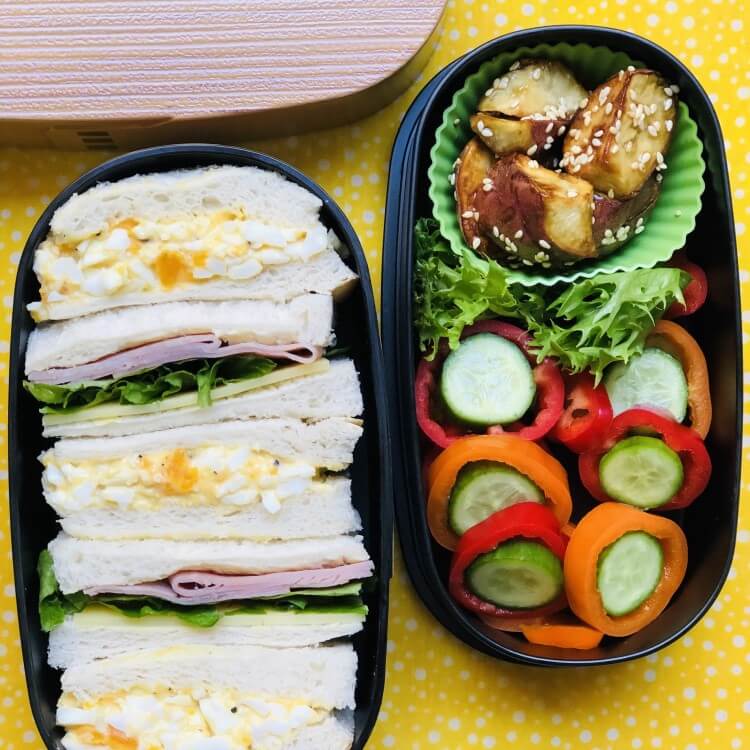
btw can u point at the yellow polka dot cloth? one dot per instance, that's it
(439, 693)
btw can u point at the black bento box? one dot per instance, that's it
(710, 523)
(33, 521)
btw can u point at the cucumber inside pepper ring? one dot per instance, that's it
(442, 430)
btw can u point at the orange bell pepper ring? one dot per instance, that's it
(675, 340)
(522, 455)
(596, 531)
(563, 632)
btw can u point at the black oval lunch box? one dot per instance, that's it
(710, 524)
(33, 521)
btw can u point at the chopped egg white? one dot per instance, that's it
(141, 719)
(210, 474)
(153, 256)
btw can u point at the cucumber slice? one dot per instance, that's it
(628, 572)
(641, 471)
(484, 487)
(487, 380)
(518, 574)
(653, 378)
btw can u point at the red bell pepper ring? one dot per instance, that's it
(695, 292)
(549, 384)
(529, 520)
(586, 416)
(696, 462)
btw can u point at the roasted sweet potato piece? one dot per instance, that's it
(537, 216)
(471, 170)
(620, 137)
(617, 221)
(506, 135)
(536, 89)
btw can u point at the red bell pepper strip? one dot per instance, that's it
(586, 416)
(530, 520)
(695, 292)
(688, 445)
(549, 384)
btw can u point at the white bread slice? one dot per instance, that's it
(328, 443)
(258, 193)
(98, 633)
(325, 273)
(323, 509)
(307, 319)
(89, 563)
(334, 393)
(323, 677)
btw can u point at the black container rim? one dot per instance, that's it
(207, 152)
(420, 565)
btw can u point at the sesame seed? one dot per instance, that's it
(503, 238)
(489, 92)
(452, 178)
(503, 84)
(659, 177)
(531, 150)
(476, 242)
(608, 109)
(593, 219)
(480, 125)
(599, 133)
(668, 90)
(615, 148)
(537, 74)
(603, 94)
(667, 104)
(675, 88)
(513, 103)
(549, 127)
(576, 168)
(457, 121)
(653, 130)
(539, 257)
(547, 146)
(622, 234)
(476, 215)
(596, 142)
(546, 264)
(527, 262)
(583, 103)
(533, 164)
(620, 75)
(486, 132)
(496, 83)
(518, 234)
(487, 187)
(572, 193)
(561, 130)
(610, 193)
(630, 68)
(644, 157)
(668, 125)
(607, 232)
(550, 139)
(638, 230)
(486, 181)
(544, 244)
(467, 215)
(516, 65)
(628, 147)
(576, 149)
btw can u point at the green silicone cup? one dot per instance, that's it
(669, 223)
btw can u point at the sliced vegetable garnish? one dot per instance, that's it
(518, 574)
(562, 631)
(695, 293)
(675, 340)
(443, 431)
(597, 531)
(534, 576)
(487, 381)
(651, 379)
(544, 471)
(586, 415)
(484, 487)
(641, 471)
(683, 441)
(629, 571)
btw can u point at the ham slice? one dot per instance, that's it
(194, 346)
(201, 587)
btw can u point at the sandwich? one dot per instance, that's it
(257, 479)
(214, 233)
(152, 367)
(212, 698)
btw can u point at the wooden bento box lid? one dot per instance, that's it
(108, 74)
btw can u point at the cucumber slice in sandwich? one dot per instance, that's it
(629, 571)
(484, 487)
(641, 471)
(653, 378)
(518, 574)
(486, 381)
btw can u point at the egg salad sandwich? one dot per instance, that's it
(257, 479)
(213, 233)
(153, 367)
(196, 697)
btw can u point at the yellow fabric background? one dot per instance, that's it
(439, 693)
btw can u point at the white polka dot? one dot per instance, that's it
(488, 742)
(511, 736)
(688, 22)
(472, 31)
(324, 164)
(585, 736)
(29, 737)
(411, 623)
(434, 737)
(656, 742)
(744, 92)
(454, 34)
(612, 734)
(708, 646)
(738, 640)
(636, 742)
(501, 19)
(649, 675)
(454, 724)
(536, 738)
(527, 9)
(697, 60)
(389, 740)
(519, 717)
(671, 7)
(736, 25)
(697, 728)
(688, 693)
(721, 715)
(420, 674)
(652, 19)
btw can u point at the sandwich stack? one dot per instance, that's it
(208, 569)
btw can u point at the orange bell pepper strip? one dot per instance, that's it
(522, 455)
(675, 340)
(596, 531)
(563, 632)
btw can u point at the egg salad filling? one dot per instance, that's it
(211, 474)
(140, 719)
(138, 255)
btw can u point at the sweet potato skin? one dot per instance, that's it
(471, 169)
